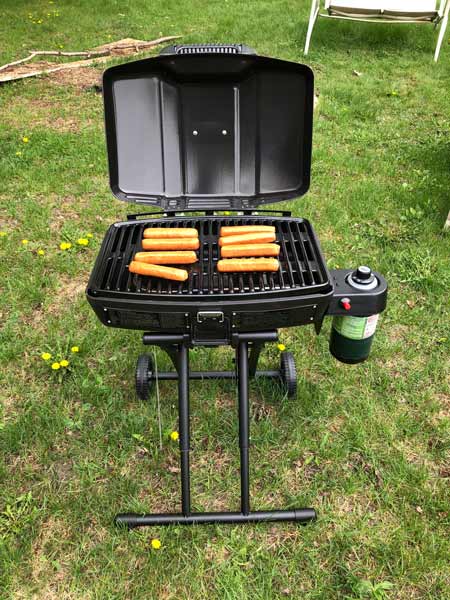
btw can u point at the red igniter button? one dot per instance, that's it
(345, 303)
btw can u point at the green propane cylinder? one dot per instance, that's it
(351, 337)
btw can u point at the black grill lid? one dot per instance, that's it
(208, 127)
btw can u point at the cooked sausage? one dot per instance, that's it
(248, 238)
(157, 271)
(170, 232)
(229, 265)
(173, 257)
(225, 231)
(171, 244)
(250, 250)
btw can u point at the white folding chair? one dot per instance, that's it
(383, 11)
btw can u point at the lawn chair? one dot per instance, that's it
(383, 11)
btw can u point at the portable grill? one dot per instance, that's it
(218, 130)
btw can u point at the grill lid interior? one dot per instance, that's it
(208, 130)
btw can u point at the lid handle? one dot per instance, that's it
(208, 49)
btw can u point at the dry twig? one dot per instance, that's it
(97, 55)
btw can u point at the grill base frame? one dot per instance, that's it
(247, 347)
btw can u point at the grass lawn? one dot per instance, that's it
(367, 446)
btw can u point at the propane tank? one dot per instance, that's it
(351, 337)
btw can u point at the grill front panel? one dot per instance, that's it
(302, 267)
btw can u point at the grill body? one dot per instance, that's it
(215, 127)
(210, 306)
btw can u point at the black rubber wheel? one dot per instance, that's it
(288, 373)
(144, 376)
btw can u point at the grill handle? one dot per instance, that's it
(208, 49)
(217, 315)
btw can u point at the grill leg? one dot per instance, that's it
(183, 408)
(244, 427)
(186, 517)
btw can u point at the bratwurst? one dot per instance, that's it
(174, 257)
(141, 268)
(249, 250)
(247, 238)
(241, 229)
(170, 232)
(230, 265)
(171, 244)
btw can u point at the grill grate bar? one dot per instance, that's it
(317, 272)
(285, 255)
(295, 255)
(308, 270)
(201, 258)
(115, 257)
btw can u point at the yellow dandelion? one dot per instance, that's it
(56, 366)
(89, 235)
(75, 349)
(174, 436)
(156, 544)
(25, 140)
(18, 153)
(46, 356)
(64, 362)
(40, 252)
(281, 347)
(3, 233)
(65, 245)
(82, 241)
(24, 242)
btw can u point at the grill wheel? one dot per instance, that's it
(144, 376)
(288, 374)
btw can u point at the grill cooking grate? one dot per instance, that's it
(300, 260)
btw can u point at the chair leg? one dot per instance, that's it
(312, 19)
(441, 32)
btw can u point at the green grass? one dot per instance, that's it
(367, 445)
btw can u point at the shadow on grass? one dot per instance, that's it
(434, 157)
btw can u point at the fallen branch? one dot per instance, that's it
(97, 55)
(35, 53)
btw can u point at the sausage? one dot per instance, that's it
(250, 250)
(170, 232)
(230, 265)
(141, 268)
(241, 229)
(171, 244)
(248, 238)
(173, 257)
